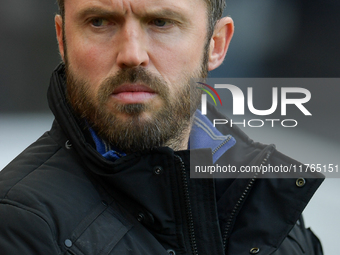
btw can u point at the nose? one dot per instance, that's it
(132, 51)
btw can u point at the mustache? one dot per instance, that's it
(134, 75)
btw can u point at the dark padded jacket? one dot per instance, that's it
(60, 196)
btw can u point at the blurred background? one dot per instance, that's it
(277, 38)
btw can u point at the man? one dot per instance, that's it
(112, 175)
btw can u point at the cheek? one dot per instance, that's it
(89, 61)
(182, 54)
(177, 63)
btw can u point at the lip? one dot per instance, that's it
(133, 93)
(132, 88)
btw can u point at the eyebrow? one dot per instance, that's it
(162, 13)
(97, 11)
(166, 13)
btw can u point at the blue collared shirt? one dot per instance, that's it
(203, 135)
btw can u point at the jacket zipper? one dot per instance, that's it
(239, 202)
(232, 216)
(188, 209)
(221, 145)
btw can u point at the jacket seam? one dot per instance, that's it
(34, 169)
(8, 203)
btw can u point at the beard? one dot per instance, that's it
(166, 126)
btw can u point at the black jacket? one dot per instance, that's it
(60, 196)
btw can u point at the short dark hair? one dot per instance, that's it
(215, 11)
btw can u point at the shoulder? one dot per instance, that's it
(300, 241)
(45, 168)
(44, 190)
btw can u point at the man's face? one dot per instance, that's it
(129, 63)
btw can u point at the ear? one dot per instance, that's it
(58, 20)
(220, 41)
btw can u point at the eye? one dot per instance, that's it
(99, 22)
(160, 22)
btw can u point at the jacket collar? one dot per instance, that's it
(205, 135)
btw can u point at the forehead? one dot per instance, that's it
(139, 6)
